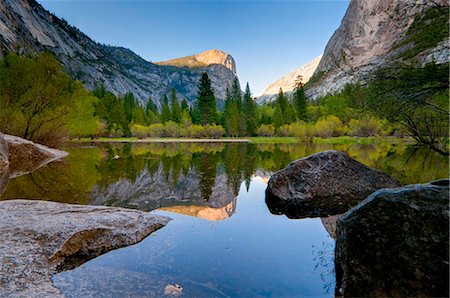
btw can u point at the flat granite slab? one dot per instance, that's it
(40, 238)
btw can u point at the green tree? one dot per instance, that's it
(278, 118)
(206, 111)
(175, 107)
(299, 99)
(250, 111)
(36, 97)
(165, 110)
(184, 105)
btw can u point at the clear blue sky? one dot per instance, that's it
(266, 38)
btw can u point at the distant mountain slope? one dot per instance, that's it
(287, 83)
(27, 28)
(373, 34)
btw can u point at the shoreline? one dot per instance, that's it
(254, 140)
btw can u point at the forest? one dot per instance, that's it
(40, 102)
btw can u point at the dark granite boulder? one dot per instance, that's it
(323, 184)
(396, 243)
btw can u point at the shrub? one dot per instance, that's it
(172, 129)
(285, 130)
(265, 130)
(156, 130)
(139, 131)
(213, 131)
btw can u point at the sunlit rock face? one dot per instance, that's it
(203, 59)
(205, 212)
(27, 28)
(41, 238)
(366, 40)
(153, 191)
(395, 244)
(288, 82)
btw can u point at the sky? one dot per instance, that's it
(267, 39)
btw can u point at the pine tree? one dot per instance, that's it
(299, 99)
(282, 100)
(165, 110)
(184, 105)
(233, 120)
(129, 104)
(250, 111)
(175, 107)
(237, 98)
(278, 118)
(206, 111)
(226, 111)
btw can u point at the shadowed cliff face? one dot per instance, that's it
(26, 27)
(368, 38)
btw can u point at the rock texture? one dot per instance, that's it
(19, 157)
(366, 40)
(26, 27)
(154, 191)
(41, 238)
(287, 83)
(25, 156)
(323, 184)
(395, 243)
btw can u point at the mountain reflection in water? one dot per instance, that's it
(223, 240)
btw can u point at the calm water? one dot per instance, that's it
(223, 241)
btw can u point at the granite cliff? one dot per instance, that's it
(375, 34)
(27, 28)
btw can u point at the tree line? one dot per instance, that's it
(40, 102)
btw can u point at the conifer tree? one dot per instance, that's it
(206, 111)
(227, 111)
(299, 99)
(184, 105)
(278, 118)
(165, 110)
(175, 107)
(250, 111)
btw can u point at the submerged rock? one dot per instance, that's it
(25, 156)
(396, 243)
(323, 184)
(41, 238)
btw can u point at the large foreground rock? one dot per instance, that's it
(40, 238)
(322, 184)
(395, 243)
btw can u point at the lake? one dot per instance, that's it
(223, 240)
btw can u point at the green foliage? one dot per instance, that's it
(299, 100)
(278, 118)
(266, 130)
(416, 97)
(428, 29)
(165, 110)
(38, 100)
(175, 107)
(205, 111)
(250, 112)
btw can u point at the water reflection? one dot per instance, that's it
(151, 176)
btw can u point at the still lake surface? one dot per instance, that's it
(223, 240)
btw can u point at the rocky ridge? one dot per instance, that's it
(27, 28)
(367, 39)
(287, 82)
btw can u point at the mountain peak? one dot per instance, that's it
(203, 59)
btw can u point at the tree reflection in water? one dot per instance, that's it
(207, 170)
